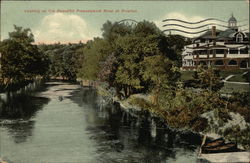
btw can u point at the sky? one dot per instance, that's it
(74, 21)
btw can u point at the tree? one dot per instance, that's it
(95, 53)
(111, 31)
(160, 72)
(64, 59)
(21, 60)
(145, 29)
(208, 78)
(131, 50)
(118, 57)
(108, 70)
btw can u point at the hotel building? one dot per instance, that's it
(228, 49)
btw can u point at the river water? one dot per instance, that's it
(65, 123)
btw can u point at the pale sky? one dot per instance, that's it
(74, 26)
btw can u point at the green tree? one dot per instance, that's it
(64, 59)
(111, 31)
(95, 53)
(131, 51)
(161, 74)
(21, 60)
(208, 78)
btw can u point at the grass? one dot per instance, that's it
(228, 87)
(225, 73)
(186, 75)
(231, 87)
(237, 78)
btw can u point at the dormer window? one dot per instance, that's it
(239, 37)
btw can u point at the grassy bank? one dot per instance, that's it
(204, 111)
(238, 77)
(228, 87)
(233, 87)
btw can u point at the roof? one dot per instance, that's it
(208, 34)
(227, 33)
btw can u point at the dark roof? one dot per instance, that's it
(226, 34)
(208, 34)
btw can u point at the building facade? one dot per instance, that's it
(228, 49)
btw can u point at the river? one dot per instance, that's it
(65, 123)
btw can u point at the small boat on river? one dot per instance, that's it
(219, 151)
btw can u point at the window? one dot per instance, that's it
(211, 52)
(244, 51)
(202, 52)
(219, 63)
(232, 63)
(219, 51)
(233, 51)
(239, 37)
(243, 64)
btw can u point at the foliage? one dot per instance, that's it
(207, 78)
(240, 103)
(21, 60)
(182, 108)
(120, 57)
(160, 72)
(109, 67)
(64, 59)
(142, 103)
(111, 31)
(95, 53)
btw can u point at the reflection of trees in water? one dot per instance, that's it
(85, 95)
(116, 130)
(16, 111)
(20, 131)
(21, 106)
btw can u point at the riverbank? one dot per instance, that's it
(215, 122)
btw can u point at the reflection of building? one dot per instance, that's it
(227, 49)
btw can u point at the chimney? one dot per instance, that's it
(213, 31)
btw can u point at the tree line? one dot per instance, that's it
(22, 61)
(132, 58)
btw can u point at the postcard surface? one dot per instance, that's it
(124, 81)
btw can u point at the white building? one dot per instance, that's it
(228, 49)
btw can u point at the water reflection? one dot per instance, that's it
(15, 113)
(83, 128)
(126, 138)
(21, 106)
(20, 131)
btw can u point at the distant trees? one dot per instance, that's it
(20, 59)
(64, 59)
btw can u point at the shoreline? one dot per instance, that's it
(209, 132)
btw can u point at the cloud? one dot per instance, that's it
(63, 28)
(177, 15)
